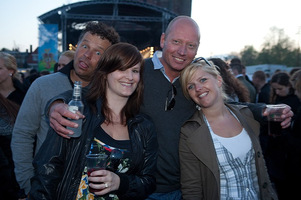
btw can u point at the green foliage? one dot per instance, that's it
(276, 49)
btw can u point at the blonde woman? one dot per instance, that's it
(10, 87)
(220, 154)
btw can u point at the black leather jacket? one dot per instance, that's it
(60, 162)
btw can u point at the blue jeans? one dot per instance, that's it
(174, 195)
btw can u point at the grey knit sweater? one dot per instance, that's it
(31, 124)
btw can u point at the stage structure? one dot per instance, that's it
(137, 22)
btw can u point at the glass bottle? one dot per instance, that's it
(75, 105)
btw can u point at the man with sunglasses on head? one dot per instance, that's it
(164, 102)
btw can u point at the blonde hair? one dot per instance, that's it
(69, 53)
(10, 62)
(191, 69)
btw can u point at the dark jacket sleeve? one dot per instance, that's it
(257, 110)
(141, 183)
(48, 165)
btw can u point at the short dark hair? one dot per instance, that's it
(260, 75)
(102, 30)
(235, 61)
(236, 66)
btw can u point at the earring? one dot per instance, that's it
(10, 74)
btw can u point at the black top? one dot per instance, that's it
(17, 95)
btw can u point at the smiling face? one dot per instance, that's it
(88, 52)
(123, 83)
(179, 45)
(204, 89)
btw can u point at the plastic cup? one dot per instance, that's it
(95, 162)
(274, 119)
(275, 112)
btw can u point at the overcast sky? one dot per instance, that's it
(226, 25)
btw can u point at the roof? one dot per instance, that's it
(138, 23)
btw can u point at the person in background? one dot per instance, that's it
(238, 73)
(55, 67)
(113, 121)
(282, 91)
(262, 87)
(229, 164)
(28, 80)
(295, 140)
(65, 58)
(164, 102)
(10, 86)
(31, 125)
(235, 90)
(9, 188)
(295, 81)
(280, 154)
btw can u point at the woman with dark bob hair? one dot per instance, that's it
(112, 126)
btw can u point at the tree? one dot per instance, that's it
(276, 49)
(249, 55)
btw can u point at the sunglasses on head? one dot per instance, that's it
(200, 59)
(207, 62)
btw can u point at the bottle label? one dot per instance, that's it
(73, 109)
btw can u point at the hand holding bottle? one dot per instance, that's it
(74, 106)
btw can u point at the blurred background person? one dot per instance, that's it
(293, 71)
(262, 87)
(296, 84)
(33, 75)
(65, 58)
(237, 70)
(283, 92)
(55, 67)
(10, 86)
(9, 188)
(295, 139)
(238, 61)
(235, 90)
(281, 153)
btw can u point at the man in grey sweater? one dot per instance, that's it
(31, 124)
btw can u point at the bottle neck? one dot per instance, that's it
(76, 93)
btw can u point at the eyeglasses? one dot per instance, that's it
(170, 103)
(200, 59)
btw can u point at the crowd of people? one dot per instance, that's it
(186, 127)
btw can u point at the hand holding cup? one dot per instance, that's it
(95, 162)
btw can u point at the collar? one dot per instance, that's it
(158, 65)
(67, 70)
(156, 60)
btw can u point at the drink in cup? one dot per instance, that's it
(274, 119)
(95, 162)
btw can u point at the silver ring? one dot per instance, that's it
(106, 185)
